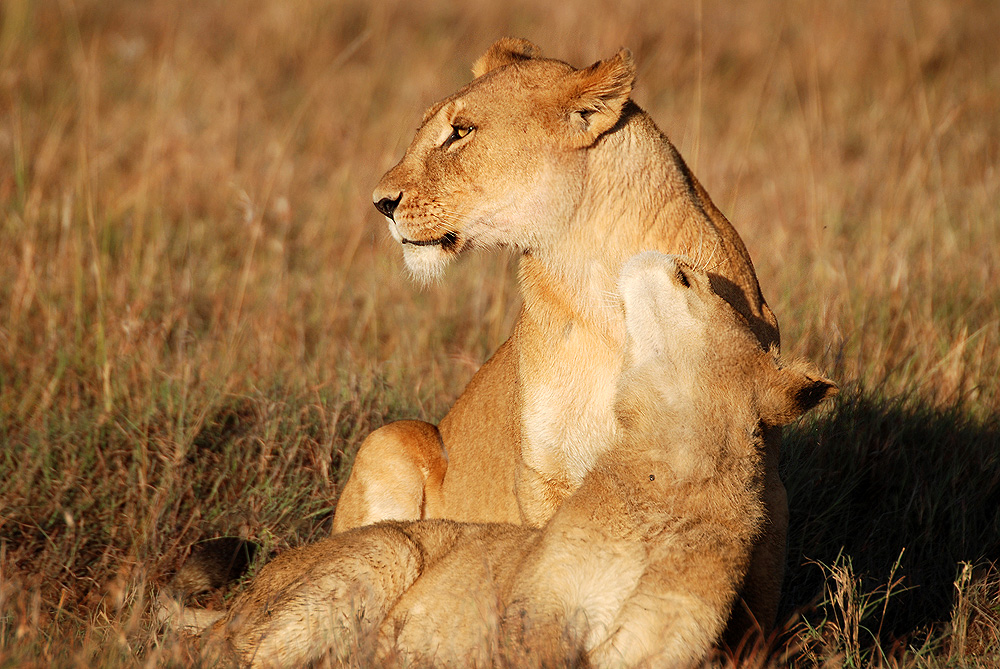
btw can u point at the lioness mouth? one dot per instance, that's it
(446, 242)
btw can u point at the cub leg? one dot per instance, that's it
(669, 621)
(326, 597)
(397, 475)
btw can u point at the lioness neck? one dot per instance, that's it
(637, 195)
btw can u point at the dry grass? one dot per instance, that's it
(201, 314)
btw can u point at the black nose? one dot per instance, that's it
(387, 206)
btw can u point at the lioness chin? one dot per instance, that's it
(641, 565)
(559, 164)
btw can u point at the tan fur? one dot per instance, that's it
(640, 566)
(559, 164)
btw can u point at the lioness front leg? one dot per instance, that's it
(397, 475)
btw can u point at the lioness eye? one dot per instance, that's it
(458, 132)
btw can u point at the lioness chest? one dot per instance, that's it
(568, 375)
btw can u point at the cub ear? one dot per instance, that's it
(506, 51)
(596, 95)
(792, 391)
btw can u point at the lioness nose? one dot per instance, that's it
(387, 206)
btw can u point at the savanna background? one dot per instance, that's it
(201, 314)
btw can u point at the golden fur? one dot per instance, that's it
(561, 165)
(640, 566)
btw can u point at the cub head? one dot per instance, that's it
(688, 347)
(500, 161)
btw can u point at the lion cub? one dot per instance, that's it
(640, 565)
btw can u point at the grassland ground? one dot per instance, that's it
(201, 315)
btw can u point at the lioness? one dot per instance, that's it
(641, 565)
(559, 164)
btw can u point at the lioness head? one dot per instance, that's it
(688, 346)
(498, 163)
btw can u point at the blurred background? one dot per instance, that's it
(201, 314)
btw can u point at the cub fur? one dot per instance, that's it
(641, 565)
(559, 164)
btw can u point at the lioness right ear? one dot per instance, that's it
(597, 94)
(506, 51)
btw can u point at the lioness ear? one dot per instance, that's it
(505, 51)
(792, 391)
(597, 94)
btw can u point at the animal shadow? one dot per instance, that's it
(882, 480)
